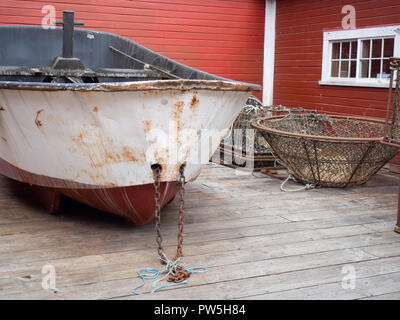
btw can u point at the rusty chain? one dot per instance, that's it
(156, 183)
(179, 273)
(182, 179)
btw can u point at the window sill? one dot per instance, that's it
(354, 84)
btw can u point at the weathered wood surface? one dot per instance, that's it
(256, 241)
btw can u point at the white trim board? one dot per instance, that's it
(269, 52)
(330, 36)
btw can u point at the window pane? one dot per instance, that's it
(388, 47)
(345, 50)
(364, 68)
(344, 69)
(376, 48)
(335, 50)
(354, 49)
(386, 69)
(335, 69)
(353, 69)
(365, 48)
(375, 68)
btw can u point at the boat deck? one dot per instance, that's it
(256, 241)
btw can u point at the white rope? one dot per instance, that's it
(308, 186)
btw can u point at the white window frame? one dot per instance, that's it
(356, 34)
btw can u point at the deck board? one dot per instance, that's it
(256, 241)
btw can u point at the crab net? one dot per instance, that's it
(246, 147)
(323, 150)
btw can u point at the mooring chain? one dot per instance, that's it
(174, 270)
(178, 274)
(181, 211)
(156, 183)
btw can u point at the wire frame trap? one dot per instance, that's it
(330, 151)
(243, 150)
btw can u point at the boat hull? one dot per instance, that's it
(97, 146)
(97, 139)
(134, 203)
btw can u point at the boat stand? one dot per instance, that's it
(49, 198)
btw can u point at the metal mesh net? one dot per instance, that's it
(327, 150)
(240, 149)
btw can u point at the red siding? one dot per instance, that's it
(222, 37)
(298, 55)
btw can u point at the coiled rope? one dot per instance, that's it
(172, 268)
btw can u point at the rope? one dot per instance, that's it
(171, 268)
(308, 186)
(174, 270)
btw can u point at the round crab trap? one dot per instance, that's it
(330, 151)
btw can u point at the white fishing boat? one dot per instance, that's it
(92, 122)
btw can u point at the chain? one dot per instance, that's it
(159, 239)
(179, 252)
(179, 273)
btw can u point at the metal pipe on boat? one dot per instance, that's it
(68, 33)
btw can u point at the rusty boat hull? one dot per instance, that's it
(92, 134)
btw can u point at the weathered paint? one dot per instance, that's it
(91, 139)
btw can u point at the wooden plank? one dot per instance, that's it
(386, 296)
(287, 237)
(365, 288)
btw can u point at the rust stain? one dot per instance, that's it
(177, 114)
(100, 151)
(127, 155)
(37, 121)
(2, 108)
(157, 86)
(147, 125)
(95, 109)
(194, 104)
(94, 177)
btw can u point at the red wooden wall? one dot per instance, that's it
(223, 37)
(298, 55)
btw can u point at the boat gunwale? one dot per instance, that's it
(179, 84)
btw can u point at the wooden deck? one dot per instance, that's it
(256, 241)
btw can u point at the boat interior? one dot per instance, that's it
(68, 55)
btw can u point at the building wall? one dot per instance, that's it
(298, 55)
(223, 37)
